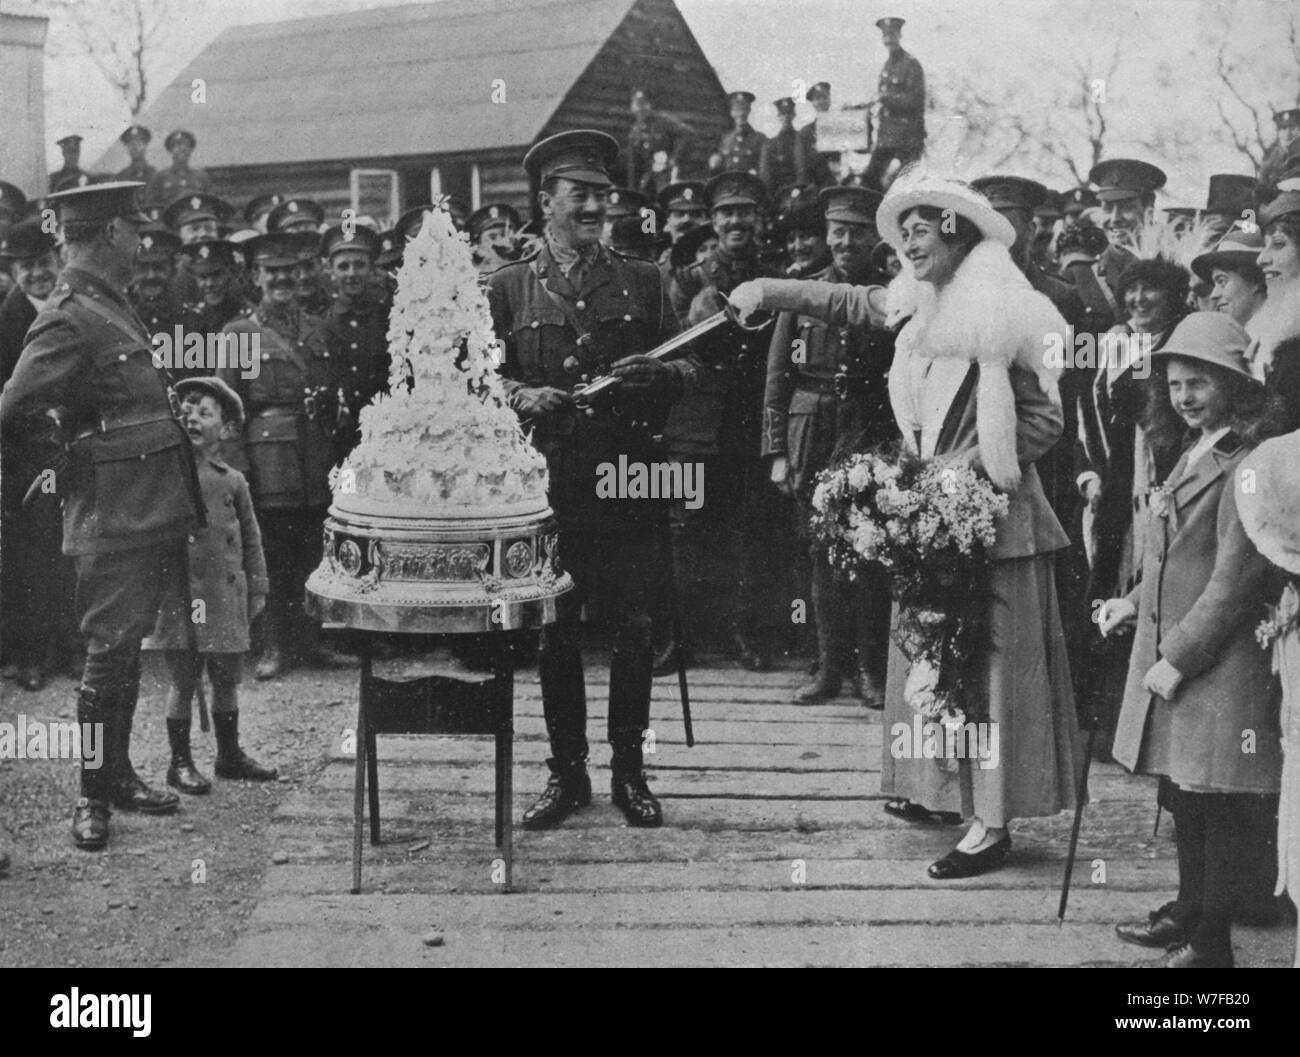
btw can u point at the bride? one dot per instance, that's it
(970, 384)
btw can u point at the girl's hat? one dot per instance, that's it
(1268, 500)
(1235, 252)
(1210, 337)
(919, 188)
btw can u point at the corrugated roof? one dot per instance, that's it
(384, 82)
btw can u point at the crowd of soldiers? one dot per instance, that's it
(587, 287)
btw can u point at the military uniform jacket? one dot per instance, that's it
(169, 184)
(644, 140)
(141, 172)
(803, 418)
(226, 566)
(817, 169)
(722, 413)
(130, 480)
(288, 451)
(781, 161)
(356, 343)
(539, 316)
(203, 318)
(159, 316)
(741, 150)
(901, 96)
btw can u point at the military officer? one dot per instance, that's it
(492, 231)
(258, 208)
(130, 490)
(136, 140)
(295, 214)
(652, 134)
(36, 611)
(682, 206)
(71, 171)
(826, 388)
(817, 164)
(1126, 192)
(571, 311)
(196, 216)
(717, 422)
(356, 330)
(621, 203)
(213, 264)
(153, 276)
(1278, 157)
(740, 149)
(178, 179)
(900, 100)
(287, 446)
(781, 161)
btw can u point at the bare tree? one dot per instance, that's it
(118, 36)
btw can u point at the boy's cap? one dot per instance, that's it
(210, 385)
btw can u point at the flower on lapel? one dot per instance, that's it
(1161, 501)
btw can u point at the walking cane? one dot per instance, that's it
(1079, 797)
(675, 621)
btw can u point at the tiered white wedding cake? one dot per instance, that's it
(440, 521)
(443, 443)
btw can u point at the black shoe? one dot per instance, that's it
(825, 685)
(130, 792)
(868, 689)
(1161, 929)
(910, 812)
(665, 662)
(240, 765)
(632, 796)
(232, 761)
(182, 774)
(966, 864)
(90, 824)
(568, 789)
(747, 656)
(1185, 956)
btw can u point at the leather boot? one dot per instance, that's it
(829, 678)
(182, 774)
(629, 791)
(90, 815)
(232, 761)
(564, 692)
(127, 790)
(568, 789)
(868, 689)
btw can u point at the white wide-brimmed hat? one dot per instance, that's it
(1268, 500)
(917, 187)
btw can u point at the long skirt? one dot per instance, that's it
(1039, 756)
(1286, 655)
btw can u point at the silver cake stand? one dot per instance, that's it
(387, 572)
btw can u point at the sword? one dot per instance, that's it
(584, 396)
(675, 621)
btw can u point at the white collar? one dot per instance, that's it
(1204, 444)
(38, 305)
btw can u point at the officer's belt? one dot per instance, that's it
(822, 384)
(112, 422)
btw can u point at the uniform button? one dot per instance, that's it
(122, 356)
(266, 355)
(326, 355)
(354, 345)
(582, 304)
(352, 322)
(190, 538)
(535, 324)
(266, 432)
(354, 369)
(627, 319)
(625, 293)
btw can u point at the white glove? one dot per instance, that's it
(747, 299)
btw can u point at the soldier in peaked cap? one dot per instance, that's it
(684, 207)
(136, 140)
(12, 204)
(492, 235)
(569, 312)
(179, 178)
(781, 161)
(1073, 204)
(314, 282)
(801, 227)
(356, 329)
(805, 417)
(717, 422)
(817, 165)
(1126, 192)
(214, 265)
(129, 491)
(295, 214)
(287, 444)
(900, 101)
(36, 609)
(154, 280)
(196, 216)
(259, 208)
(1276, 157)
(66, 176)
(620, 203)
(740, 149)
(649, 135)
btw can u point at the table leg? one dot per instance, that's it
(359, 782)
(507, 792)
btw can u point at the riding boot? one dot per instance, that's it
(830, 647)
(628, 788)
(564, 703)
(90, 815)
(182, 774)
(629, 722)
(128, 791)
(232, 761)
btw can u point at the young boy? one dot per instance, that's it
(227, 589)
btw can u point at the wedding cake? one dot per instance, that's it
(444, 442)
(440, 521)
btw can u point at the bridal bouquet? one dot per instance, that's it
(928, 524)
